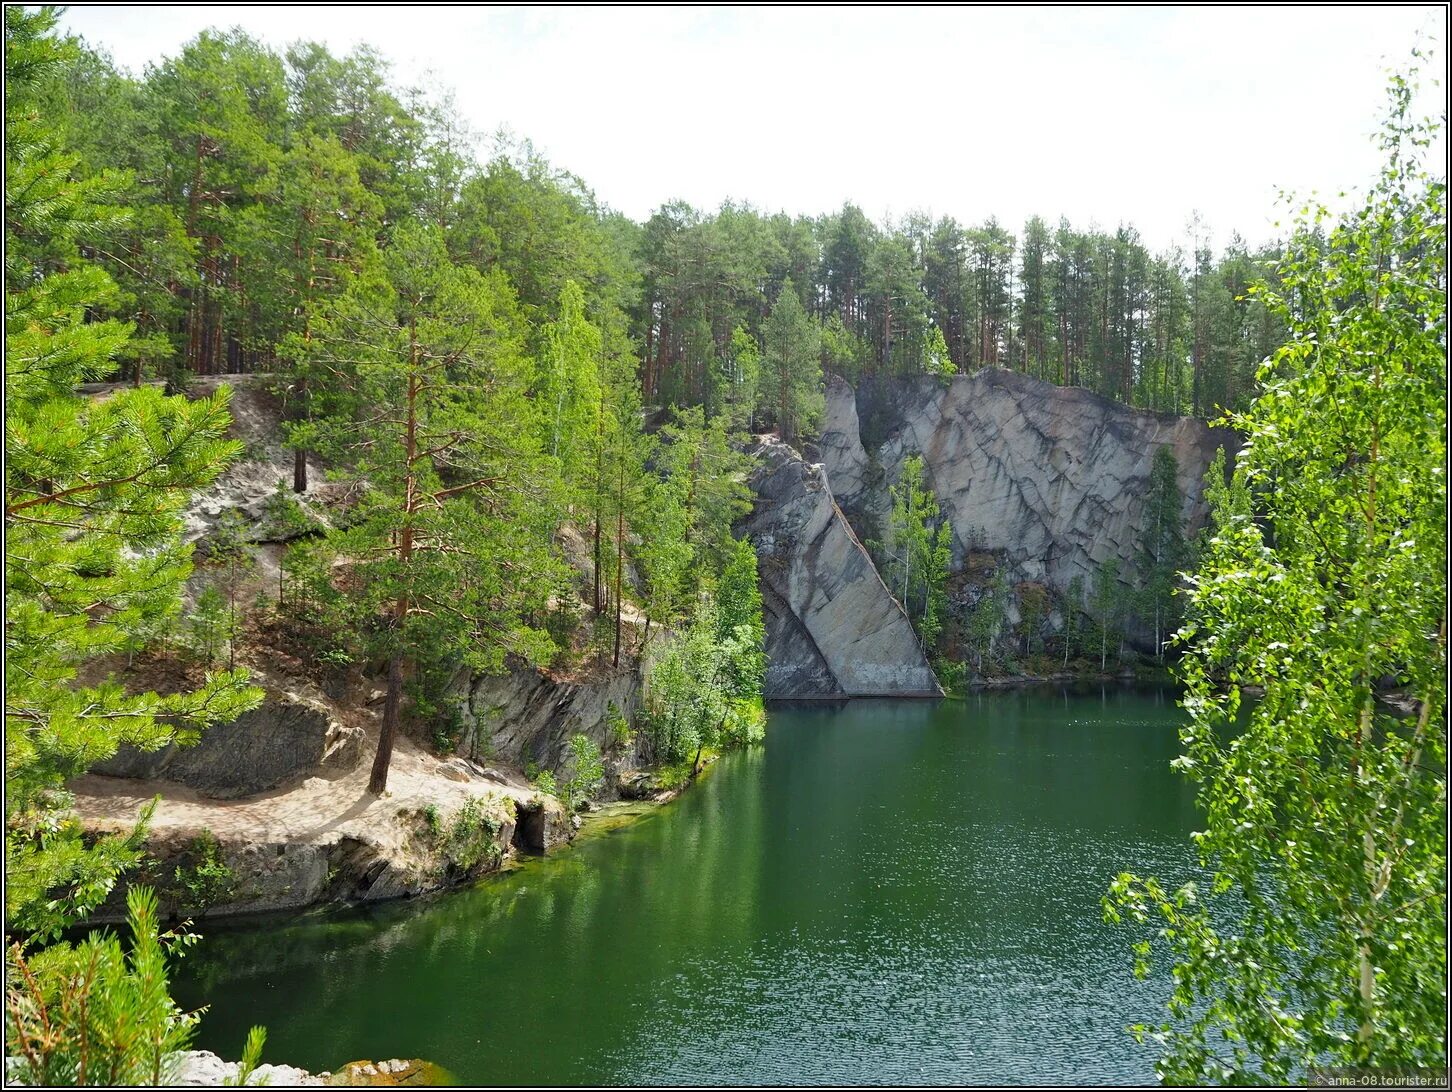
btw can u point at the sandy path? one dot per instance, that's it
(316, 809)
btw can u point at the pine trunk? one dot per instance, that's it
(378, 779)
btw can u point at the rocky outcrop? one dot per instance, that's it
(248, 489)
(832, 627)
(282, 740)
(526, 716)
(1052, 479)
(203, 1069)
(404, 845)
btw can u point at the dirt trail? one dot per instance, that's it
(309, 811)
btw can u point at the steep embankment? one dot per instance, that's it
(832, 627)
(280, 794)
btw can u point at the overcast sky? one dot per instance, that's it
(1101, 115)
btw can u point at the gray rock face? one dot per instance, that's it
(279, 741)
(1053, 479)
(832, 627)
(526, 716)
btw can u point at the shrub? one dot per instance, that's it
(207, 879)
(619, 737)
(543, 780)
(471, 835)
(94, 1013)
(705, 690)
(586, 771)
(207, 625)
(284, 515)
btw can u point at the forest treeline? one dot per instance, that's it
(254, 176)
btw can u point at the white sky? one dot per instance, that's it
(1103, 115)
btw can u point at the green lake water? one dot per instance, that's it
(886, 892)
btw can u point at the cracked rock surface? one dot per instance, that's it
(832, 627)
(1053, 479)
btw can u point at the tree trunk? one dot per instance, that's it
(378, 779)
(599, 494)
(619, 562)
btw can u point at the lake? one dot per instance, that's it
(886, 892)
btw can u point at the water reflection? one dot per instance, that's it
(890, 892)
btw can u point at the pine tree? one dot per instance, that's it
(94, 489)
(791, 366)
(428, 407)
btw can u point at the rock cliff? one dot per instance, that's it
(525, 716)
(832, 627)
(1052, 479)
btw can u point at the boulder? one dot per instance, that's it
(541, 824)
(202, 1068)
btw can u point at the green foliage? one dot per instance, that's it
(1321, 936)
(205, 879)
(1033, 609)
(952, 675)
(94, 1013)
(207, 625)
(586, 769)
(1073, 606)
(284, 516)
(844, 353)
(740, 628)
(448, 540)
(251, 1056)
(986, 620)
(1107, 607)
(937, 360)
(620, 735)
(737, 380)
(791, 389)
(471, 835)
(704, 689)
(567, 387)
(544, 780)
(230, 561)
(918, 549)
(94, 489)
(745, 723)
(1162, 552)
